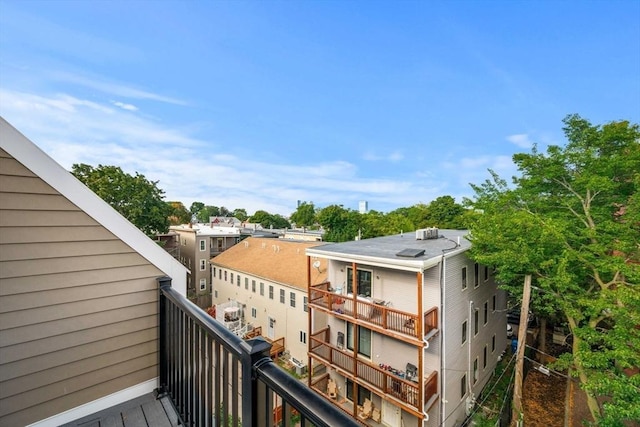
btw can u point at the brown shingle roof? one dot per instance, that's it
(277, 260)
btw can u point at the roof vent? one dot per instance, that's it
(410, 253)
(427, 233)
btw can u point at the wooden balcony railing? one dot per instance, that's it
(372, 375)
(215, 378)
(373, 312)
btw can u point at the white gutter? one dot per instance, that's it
(394, 264)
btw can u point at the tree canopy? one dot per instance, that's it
(178, 213)
(572, 221)
(135, 197)
(267, 220)
(305, 215)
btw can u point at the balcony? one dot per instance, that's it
(374, 377)
(213, 377)
(374, 313)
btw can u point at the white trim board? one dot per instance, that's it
(99, 404)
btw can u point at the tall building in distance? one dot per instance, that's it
(363, 206)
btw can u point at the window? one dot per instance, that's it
(238, 280)
(493, 343)
(262, 288)
(203, 245)
(246, 283)
(292, 299)
(476, 318)
(270, 291)
(364, 282)
(303, 337)
(464, 332)
(463, 386)
(203, 284)
(254, 312)
(219, 274)
(282, 296)
(215, 293)
(486, 312)
(484, 357)
(253, 286)
(231, 275)
(464, 277)
(475, 275)
(305, 304)
(214, 273)
(493, 303)
(475, 370)
(486, 273)
(364, 339)
(225, 275)
(362, 392)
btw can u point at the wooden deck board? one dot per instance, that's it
(143, 411)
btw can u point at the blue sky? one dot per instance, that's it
(258, 104)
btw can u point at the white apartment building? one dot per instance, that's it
(268, 279)
(412, 325)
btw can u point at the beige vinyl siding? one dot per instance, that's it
(78, 307)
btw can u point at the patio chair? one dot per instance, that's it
(375, 415)
(365, 410)
(332, 389)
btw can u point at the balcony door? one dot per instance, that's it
(363, 284)
(271, 332)
(390, 414)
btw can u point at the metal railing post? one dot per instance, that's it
(254, 402)
(163, 282)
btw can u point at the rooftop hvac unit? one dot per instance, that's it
(432, 233)
(421, 234)
(301, 368)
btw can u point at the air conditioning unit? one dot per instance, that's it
(431, 233)
(301, 368)
(421, 234)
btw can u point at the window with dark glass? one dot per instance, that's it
(364, 282)
(364, 339)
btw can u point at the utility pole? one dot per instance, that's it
(522, 340)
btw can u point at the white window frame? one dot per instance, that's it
(203, 288)
(203, 245)
(203, 264)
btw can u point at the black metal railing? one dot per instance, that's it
(215, 378)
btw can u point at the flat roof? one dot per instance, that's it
(385, 250)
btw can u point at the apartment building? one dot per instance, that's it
(267, 280)
(198, 244)
(78, 294)
(413, 329)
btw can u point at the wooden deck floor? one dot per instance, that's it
(144, 411)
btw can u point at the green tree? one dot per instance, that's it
(340, 224)
(207, 212)
(196, 207)
(444, 212)
(267, 220)
(178, 213)
(241, 214)
(572, 221)
(135, 197)
(305, 215)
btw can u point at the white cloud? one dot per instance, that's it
(394, 156)
(74, 130)
(521, 140)
(128, 107)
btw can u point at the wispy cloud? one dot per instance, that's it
(394, 156)
(128, 107)
(74, 130)
(521, 140)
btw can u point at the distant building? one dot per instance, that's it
(198, 244)
(413, 326)
(363, 207)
